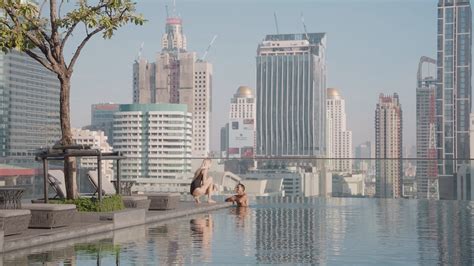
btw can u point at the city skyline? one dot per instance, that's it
(237, 44)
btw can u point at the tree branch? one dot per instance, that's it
(41, 60)
(73, 26)
(79, 48)
(59, 10)
(45, 49)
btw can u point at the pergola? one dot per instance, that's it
(60, 153)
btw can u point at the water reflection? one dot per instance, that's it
(296, 231)
(285, 231)
(201, 233)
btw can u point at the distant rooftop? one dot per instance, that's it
(313, 37)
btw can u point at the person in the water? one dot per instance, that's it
(240, 198)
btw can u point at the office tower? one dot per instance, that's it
(178, 76)
(242, 124)
(453, 97)
(471, 139)
(339, 138)
(29, 108)
(102, 118)
(291, 95)
(426, 170)
(388, 146)
(156, 139)
(97, 140)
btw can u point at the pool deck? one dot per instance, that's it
(99, 224)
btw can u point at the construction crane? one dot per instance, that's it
(208, 48)
(276, 22)
(304, 27)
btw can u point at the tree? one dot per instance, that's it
(43, 36)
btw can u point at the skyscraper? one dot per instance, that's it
(178, 76)
(453, 96)
(388, 146)
(291, 95)
(426, 170)
(29, 108)
(339, 138)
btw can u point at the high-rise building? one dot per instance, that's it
(339, 138)
(471, 137)
(426, 170)
(97, 140)
(156, 139)
(178, 76)
(388, 147)
(29, 108)
(453, 97)
(242, 124)
(291, 95)
(102, 118)
(224, 139)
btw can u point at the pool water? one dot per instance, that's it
(335, 231)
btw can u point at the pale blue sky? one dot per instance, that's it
(373, 47)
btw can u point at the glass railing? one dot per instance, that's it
(410, 178)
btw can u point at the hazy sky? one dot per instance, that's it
(373, 47)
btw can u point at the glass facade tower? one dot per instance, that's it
(29, 108)
(453, 97)
(291, 95)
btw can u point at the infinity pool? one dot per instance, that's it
(285, 231)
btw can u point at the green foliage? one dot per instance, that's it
(108, 204)
(23, 25)
(103, 247)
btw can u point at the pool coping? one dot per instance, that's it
(90, 224)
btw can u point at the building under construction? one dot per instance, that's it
(426, 168)
(178, 76)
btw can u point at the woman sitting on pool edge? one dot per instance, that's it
(241, 197)
(202, 182)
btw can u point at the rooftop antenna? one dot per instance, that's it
(208, 48)
(304, 26)
(167, 12)
(276, 22)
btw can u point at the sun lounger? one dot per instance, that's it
(132, 201)
(56, 180)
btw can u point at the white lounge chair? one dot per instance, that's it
(56, 180)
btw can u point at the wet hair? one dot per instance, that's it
(241, 185)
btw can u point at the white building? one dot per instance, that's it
(297, 181)
(242, 124)
(97, 140)
(348, 185)
(339, 138)
(388, 147)
(156, 139)
(178, 76)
